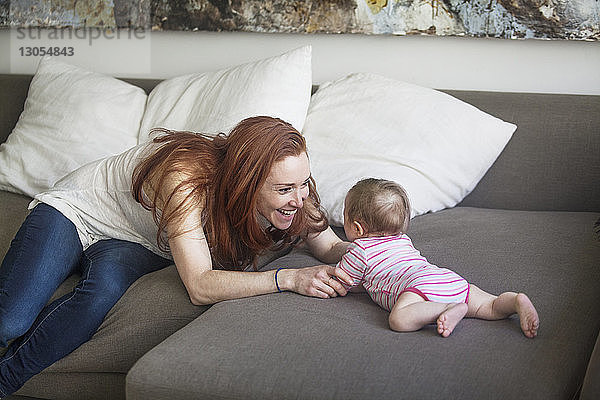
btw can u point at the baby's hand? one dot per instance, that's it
(343, 278)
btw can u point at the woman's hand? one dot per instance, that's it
(319, 281)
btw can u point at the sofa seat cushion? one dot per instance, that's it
(291, 346)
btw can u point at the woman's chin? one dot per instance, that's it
(282, 223)
(282, 227)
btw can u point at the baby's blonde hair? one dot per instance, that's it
(381, 206)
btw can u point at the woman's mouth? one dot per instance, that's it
(287, 213)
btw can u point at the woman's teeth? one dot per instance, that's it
(287, 212)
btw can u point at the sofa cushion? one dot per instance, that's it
(71, 117)
(291, 346)
(213, 102)
(364, 125)
(73, 386)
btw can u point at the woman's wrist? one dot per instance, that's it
(282, 279)
(277, 280)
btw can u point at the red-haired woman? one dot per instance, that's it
(212, 205)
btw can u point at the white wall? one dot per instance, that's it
(439, 62)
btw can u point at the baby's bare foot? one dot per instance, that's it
(448, 320)
(527, 315)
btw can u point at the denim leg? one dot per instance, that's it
(109, 267)
(44, 252)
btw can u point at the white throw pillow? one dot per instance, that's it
(215, 102)
(71, 117)
(436, 146)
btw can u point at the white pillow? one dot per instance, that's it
(436, 146)
(215, 102)
(71, 117)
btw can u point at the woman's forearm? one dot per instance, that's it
(214, 286)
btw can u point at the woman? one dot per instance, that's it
(210, 204)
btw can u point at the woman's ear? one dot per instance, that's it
(358, 228)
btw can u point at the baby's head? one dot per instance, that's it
(375, 207)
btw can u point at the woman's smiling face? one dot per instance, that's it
(284, 191)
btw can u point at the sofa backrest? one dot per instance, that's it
(552, 161)
(13, 92)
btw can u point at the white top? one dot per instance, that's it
(97, 198)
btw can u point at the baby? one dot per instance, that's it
(384, 261)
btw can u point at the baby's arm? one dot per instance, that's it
(353, 264)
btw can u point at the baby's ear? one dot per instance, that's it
(358, 228)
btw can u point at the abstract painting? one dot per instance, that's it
(510, 19)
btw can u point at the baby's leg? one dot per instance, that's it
(487, 306)
(411, 312)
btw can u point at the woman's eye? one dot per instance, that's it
(284, 190)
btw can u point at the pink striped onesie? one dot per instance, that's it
(388, 266)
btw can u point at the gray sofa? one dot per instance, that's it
(530, 225)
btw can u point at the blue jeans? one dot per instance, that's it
(45, 251)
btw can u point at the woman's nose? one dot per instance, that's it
(298, 199)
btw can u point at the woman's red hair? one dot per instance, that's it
(223, 174)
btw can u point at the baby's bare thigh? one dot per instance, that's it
(406, 299)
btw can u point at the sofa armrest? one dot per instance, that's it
(591, 383)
